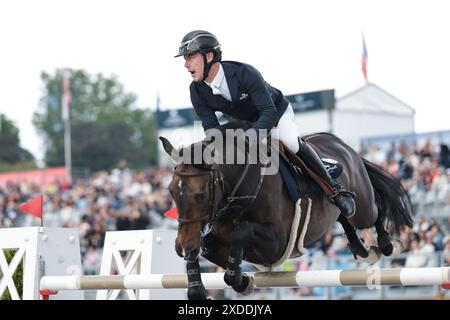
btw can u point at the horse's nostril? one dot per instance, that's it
(179, 250)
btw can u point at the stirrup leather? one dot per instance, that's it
(338, 192)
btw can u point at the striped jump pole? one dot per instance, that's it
(371, 277)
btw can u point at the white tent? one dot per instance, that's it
(366, 112)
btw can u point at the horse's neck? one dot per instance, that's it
(233, 173)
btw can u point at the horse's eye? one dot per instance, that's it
(199, 197)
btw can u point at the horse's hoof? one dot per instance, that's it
(385, 245)
(197, 293)
(358, 249)
(387, 250)
(244, 283)
(249, 288)
(372, 258)
(233, 280)
(398, 248)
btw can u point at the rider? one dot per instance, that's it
(239, 90)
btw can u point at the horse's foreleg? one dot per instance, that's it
(196, 290)
(215, 251)
(242, 234)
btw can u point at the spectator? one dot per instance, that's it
(446, 254)
(415, 258)
(444, 156)
(92, 261)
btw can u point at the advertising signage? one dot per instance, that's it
(181, 118)
(312, 101)
(176, 118)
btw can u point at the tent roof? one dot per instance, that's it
(371, 98)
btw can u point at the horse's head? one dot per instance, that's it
(193, 189)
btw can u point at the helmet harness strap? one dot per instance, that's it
(206, 65)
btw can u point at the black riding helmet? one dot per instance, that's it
(203, 42)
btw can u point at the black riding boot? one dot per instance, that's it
(342, 199)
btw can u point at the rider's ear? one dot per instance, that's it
(209, 56)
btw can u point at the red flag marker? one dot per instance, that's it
(172, 213)
(33, 207)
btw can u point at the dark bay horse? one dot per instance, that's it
(232, 212)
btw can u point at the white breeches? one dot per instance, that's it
(286, 130)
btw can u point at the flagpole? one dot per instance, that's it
(66, 101)
(158, 102)
(68, 149)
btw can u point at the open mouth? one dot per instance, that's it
(192, 73)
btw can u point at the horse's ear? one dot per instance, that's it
(174, 153)
(168, 147)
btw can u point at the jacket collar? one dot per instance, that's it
(232, 80)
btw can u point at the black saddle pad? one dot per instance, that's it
(313, 190)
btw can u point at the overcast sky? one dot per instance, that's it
(298, 46)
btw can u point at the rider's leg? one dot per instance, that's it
(286, 131)
(341, 198)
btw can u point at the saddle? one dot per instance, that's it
(292, 167)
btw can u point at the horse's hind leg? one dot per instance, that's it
(355, 244)
(357, 247)
(383, 238)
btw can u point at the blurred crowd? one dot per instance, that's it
(107, 201)
(125, 200)
(425, 173)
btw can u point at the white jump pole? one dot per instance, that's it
(322, 278)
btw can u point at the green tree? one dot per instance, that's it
(105, 125)
(11, 153)
(17, 276)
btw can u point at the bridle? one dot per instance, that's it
(216, 187)
(215, 179)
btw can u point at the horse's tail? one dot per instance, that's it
(391, 198)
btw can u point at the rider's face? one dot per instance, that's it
(194, 64)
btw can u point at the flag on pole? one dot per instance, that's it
(364, 60)
(33, 207)
(66, 97)
(172, 213)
